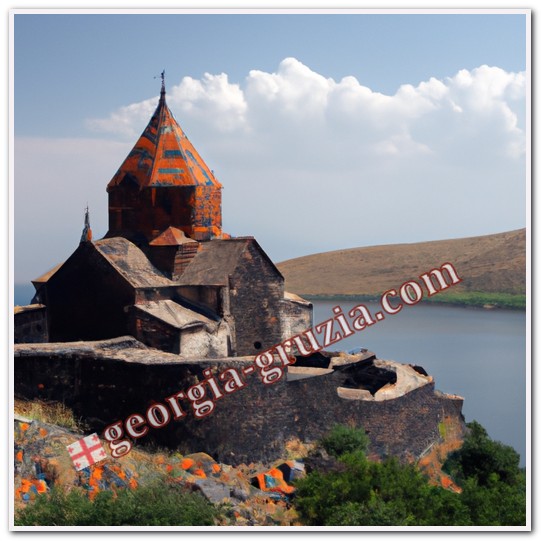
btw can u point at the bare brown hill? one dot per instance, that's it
(488, 264)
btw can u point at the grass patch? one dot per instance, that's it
(54, 413)
(341, 297)
(459, 298)
(159, 504)
(477, 298)
(442, 430)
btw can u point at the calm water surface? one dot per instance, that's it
(475, 353)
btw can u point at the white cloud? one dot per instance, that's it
(211, 101)
(296, 105)
(311, 164)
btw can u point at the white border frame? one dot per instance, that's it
(275, 10)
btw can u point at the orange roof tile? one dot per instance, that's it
(164, 156)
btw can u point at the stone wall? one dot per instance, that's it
(154, 332)
(296, 316)
(253, 424)
(30, 324)
(85, 298)
(256, 292)
(205, 342)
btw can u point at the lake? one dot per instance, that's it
(475, 353)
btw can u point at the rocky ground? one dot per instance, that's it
(42, 462)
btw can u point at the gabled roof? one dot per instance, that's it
(292, 297)
(174, 314)
(28, 308)
(131, 263)
(126, 258)
(46, 276)
(172, 236)
(164, 156)
(217, 259)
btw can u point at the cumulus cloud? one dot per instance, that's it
(297, 98)
(311, 164)
(211, 101)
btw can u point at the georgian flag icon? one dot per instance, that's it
(86, 451)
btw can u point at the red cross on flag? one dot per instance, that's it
(86, 451)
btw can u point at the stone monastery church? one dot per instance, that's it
(165, 272)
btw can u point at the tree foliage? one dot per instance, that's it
(358, 492)
(494, 487)
(482, 458)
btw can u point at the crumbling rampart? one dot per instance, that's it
(109, 380)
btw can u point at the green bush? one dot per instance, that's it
(344, 439)
(318, 496)
(375, 494)
(494, 486)
(480, 457)
(159, 504)
(358, 492)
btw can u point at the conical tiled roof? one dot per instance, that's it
(164, 156)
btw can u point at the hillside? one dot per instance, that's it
(494, 265)
(155, 487)
(42, 431)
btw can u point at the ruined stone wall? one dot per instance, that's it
(154, 332)
(30, 324)
(296, 318)
(252, 424)
(201, 343)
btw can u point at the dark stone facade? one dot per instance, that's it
(155, 333)
(85, 298)
(256, 293)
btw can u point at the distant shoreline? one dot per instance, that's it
(492, 269)
(477, 299)
(487, 301)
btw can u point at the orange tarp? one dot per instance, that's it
(273, 481)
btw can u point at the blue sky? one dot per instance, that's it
(327, 131)
(106, 61)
